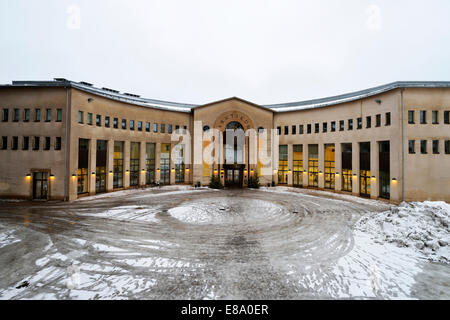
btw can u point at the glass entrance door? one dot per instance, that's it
(233, 177)
(40, 185)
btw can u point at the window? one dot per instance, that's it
(316, 128)
(38, 115)
(378, 120)
(434, 117)
(26, 143)
(411, 146)
(446, 117)
(89, 118)
(139, 125)
(147, 126)
(163, 128)
(294, 129)
(436, 146)
(177, 129)
(169, 128)
(184, 129)
(48, 115)
(333, 126)
(279, 130)
(411, 116)
(423, 117)
(16, 115)
(131, 124)
(116, 123)
(5, 115)
(301, 129)
(388, 119)
(447, 146)
(368, 122)
(359, 123)
(308, 129)
(98, 120)
(15, 143)
(26, 116)
(107, 121)
(80, 116)
(350, 124)
(124, 123)
(4, 143)
(36, 143)
(282, 164)
(58, 115)
(423, 146)
(47, 143)
(58, 143)
(341, 125)
(206, 128)
(155, 127)
(324, 127)
(286, 130)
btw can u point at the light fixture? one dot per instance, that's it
(74, 176)
(173, 170)
(110, 172)
(93, 173)
(275, 171)
(320, 171)
(28, 176)
(187, 170)
(373, 177)
(245, 171)
(289, 171)
(394, 179)
(337, 173)
(158, 170)
(252, 171)
(143, 170)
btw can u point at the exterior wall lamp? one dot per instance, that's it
(52, 177)
(245, 171)
(93, 173)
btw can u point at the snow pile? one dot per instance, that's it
(422, 226)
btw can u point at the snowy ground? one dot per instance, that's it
(185, 243)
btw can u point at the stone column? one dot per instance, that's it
(321, 165)
(355, 168)
(338, 166)
(92, 165)
(126, 164)
(110, 166)
(374, 170)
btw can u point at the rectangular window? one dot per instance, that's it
(447, 146)
(316, 128)
(36, 145)
(26, 116)
(294, 129)
(435, 146)
(26, 143)
(147, 126)
(308, 128)
(47, 143)
(411, 146)
(116, 123)
(359, 123)
(368, 121)
(341, 125)
(163, 128)
(139, 125)
(286, 130)
(388, 119)
(434, 117)
(411, 116)
(37, 115)
(98, 120)
(282, 164)
(58, 115)
(423, 117)
(80, 116)
(89, 118)
(58, 143)
(169, 128)
(16, 115)
(423, 146)
(107, 121)
(155, 127)
(324, 127)
(124, 123)
(131, 124)
(4, 143)
(177, 129)
(279, 130)
(15, 143)
(5, 115)
(446, 117)
(48, 115)
(184, 129)
(301, 129)
(333, 126)
(378, 120)
(350, 124)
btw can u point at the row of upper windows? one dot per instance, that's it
(423, 117)
(359, 125)
(132, 124)
(26, 143)
(423, 146)
(26, 115)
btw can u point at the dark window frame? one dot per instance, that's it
(411, 146)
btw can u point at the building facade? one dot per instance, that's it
(63, 139)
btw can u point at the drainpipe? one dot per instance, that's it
(403, 146)
(66, 144)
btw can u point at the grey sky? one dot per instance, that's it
(198, 51)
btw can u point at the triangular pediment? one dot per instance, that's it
(233, 99)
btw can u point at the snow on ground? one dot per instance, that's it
(7, 237)
(422, 226)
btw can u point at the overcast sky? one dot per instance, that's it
(199, 51)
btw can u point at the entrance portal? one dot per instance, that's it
(40, 185)
(234, 176)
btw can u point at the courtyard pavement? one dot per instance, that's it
(185, 243)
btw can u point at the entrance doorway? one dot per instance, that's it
(40, 185)
(233, 176)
